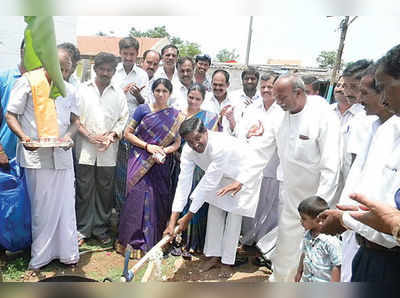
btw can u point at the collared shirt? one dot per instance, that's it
(74, 80)
(160, 73)
(7, 138)
(122, 79)
(178, 98)
(240, 105)
(207, 83)
(21, 103)
(308, 149)
(224, 159)
(211, 104)
(380, 178)
(353, 124)
(255, 113)
(100, 114)
(321, 254)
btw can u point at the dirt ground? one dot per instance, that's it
(99, 265)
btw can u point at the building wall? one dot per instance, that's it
(12, 31)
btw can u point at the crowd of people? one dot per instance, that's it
(171, 150)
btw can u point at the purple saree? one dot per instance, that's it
(148, 205)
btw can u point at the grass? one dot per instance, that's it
(15, 270)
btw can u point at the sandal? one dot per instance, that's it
(104, 239)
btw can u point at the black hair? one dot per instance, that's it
(198, 87)
(182, 60)
(250, 71)
(21, 47)
(391, 62)
(267, 76)
(313, 206)
(203, 57)
(370, 71)
(150, 51)
(103, 57)
(169, 46)
(356, 68)
(73, 51)
(128, 42)
(224, 72)
(167, 83)
(190, 125)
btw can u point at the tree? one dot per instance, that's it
(327, 59)
(227, 55)
(186, 48)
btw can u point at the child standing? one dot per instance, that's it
(321, 257)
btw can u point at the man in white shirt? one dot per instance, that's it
(307, 141)
(225, 160)
(219, 101)
(203, 63)
(104, 114)
(370, 99)
(266, 112)
(75, 56)
(185, 69)
(131, 78)
(311, 84)
(244, 97)
(378, 256)
(151, 61)
(169, 56)
(49, 171)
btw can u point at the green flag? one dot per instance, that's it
(41, 51)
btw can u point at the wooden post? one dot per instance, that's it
(344, 24)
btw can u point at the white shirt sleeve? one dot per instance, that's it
(184, 181)
(208, 184)
(368, 232)
(330, 157)
(19, 96)
(123, 119)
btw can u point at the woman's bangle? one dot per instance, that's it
(145, 147)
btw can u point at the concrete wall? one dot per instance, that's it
(12, 31)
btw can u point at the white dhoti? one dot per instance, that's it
(349, 250)
(54, 232)
(222, 236)
(286, 256)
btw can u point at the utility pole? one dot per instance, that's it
(344, 25)
(249, 40)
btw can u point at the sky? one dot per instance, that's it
(300, 37)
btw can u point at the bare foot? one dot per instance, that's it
(210, 263)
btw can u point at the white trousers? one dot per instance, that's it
(222, 236)
(285, 259)
(349, 250)
(54, 231)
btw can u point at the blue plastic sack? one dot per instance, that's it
(15, 209)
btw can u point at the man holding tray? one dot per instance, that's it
(48, 168)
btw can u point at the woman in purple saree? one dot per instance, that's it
(152, 131)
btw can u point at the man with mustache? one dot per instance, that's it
(377, 258)
(49, 172)
(203, 63)
(169, 56)
(224, 159)
(178, 98)
(151, 61)
(243, 98)
(104, 114)
(307, 142)
(219, 101)
(376, 113)
(131, 78)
